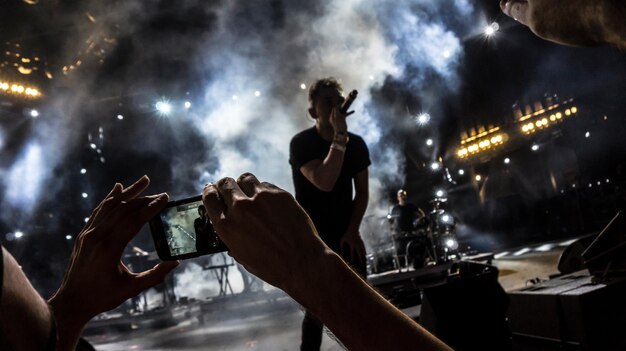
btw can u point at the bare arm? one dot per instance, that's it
(352, 237)
(572, 22)
(273, 237)
(324, 174)
(25, 319)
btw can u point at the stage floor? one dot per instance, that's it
(270, 320)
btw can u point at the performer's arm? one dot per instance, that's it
(324, 174)
(273, 237)
(359, 205)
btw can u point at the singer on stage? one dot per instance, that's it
(326, 160)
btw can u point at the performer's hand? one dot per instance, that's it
(569, 22)
(265, 230)
(338, 119)
(96, 280)
(353, 244)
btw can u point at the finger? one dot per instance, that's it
(140, 212)
(104, 206)
(349, 113)
(154, 276)
(213, 203)
(248, 184)
(229, 192)
(136, 188)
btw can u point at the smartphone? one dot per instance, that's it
(183, 230)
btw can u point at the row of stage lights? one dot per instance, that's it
(541, 123)
(19, 89)
(482, 144)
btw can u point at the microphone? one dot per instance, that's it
(348, 101)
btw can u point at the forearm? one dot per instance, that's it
(326, 174)
(68, 330)
(360, 317)
(359, 205)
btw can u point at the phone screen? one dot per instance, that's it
(186, 229)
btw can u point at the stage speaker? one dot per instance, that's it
(469, 311)
(571, 259)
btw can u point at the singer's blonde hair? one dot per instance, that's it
(329, 82)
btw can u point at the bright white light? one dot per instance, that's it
(440, 193)
(34, 113)
(535, 147)
(83, 171)
(492, 29)
(599, 182)
(18, 234)
(429, 142)
(234, 97)
(423, 118)
(478, 177)
(507, 160)
(522, 251)
(587, 135)
(92, 145)
(446, 218)
(607, 180)
(446, 53)
(187, 104)
(501, 254)
(461, 172)
(68, 237)
(435, 166)
(545, 247)
(85, 195)
(257, 93)
(303, 86)
(450, 243)
(120, 117)
(371, 77)
(86, 219)
(163, 107)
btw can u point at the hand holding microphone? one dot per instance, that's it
(347, 102)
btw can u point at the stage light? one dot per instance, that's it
(163, 107)
(83, 171)
(86, 219)
(371, 77)
(435, 166)
(257, 93)
(535, 147)
(234, 97)
(92, 146)
(34, 113)
(187, 104)
(552, 118)
(440, 193)
(478, 178)
(303, 86)
(120, 117)
(446, 218)
(599, 182)
(85, 195)
(607, 180)
(423, 118)
(568, 112)
(18, 234)
(461, 172)
(558, 115)
(492, 29)
(507, 160)
(574, 110)
(587, 135)
(429, 142)
(522, 251)
(451, 243)
(68, 237)
(446, 54)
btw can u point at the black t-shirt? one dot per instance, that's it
(405, 215)
(330, 211)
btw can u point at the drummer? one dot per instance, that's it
(405, 216)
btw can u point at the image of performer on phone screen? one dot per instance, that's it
(205, 234)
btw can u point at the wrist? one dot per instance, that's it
(338, 146)
(68, 327)
(341, 137)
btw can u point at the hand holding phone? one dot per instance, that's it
(183, 230)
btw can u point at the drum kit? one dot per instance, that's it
(431, 241)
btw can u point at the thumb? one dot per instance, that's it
(156, 275)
